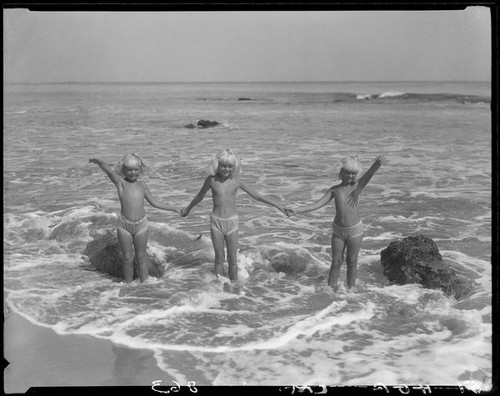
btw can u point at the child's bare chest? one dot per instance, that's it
(225, 188)
(342, 194)
(132, 191)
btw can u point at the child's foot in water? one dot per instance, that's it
(233, 287)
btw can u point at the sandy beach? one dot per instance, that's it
(39, 357)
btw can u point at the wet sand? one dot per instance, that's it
(39, 357)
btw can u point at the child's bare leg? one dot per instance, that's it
(232, 255)
(337, 253)
(218, 242)
(353, 247)
(127, 245)
(140, 244)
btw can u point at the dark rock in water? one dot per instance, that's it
(416, 259)
(106, 255)
(207, 123)
(183, 250)
(202, 124)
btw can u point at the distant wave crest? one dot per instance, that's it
(419, 98)
(391, 94)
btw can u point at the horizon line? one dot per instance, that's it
(239, 82)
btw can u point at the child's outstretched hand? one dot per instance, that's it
(184, 212)
(94, 161)
(289, 212)
(380, 160)
(282, 210)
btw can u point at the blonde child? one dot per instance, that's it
(223, 181)
(132, 223)
(347, 224)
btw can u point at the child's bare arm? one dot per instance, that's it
(115, 178)
(255, 195)
(316, 205)
(156, 203)
(363, 181)
(197, 199)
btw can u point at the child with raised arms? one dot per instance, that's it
(347, 224)
(132, 223)
(224, 182)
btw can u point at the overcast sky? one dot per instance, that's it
(247, 46)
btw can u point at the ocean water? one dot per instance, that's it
(281, 329)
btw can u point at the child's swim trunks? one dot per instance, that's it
(224, 226)
(132, 227)
(346, 233)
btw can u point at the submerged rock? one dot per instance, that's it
(416, 259)
(288, 261)
(289, 264)
(166, 250)
(105, 254)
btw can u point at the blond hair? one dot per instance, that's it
(226, 156)
(130, 159)
(352, 164)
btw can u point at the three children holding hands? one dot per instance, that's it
(223, 182)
